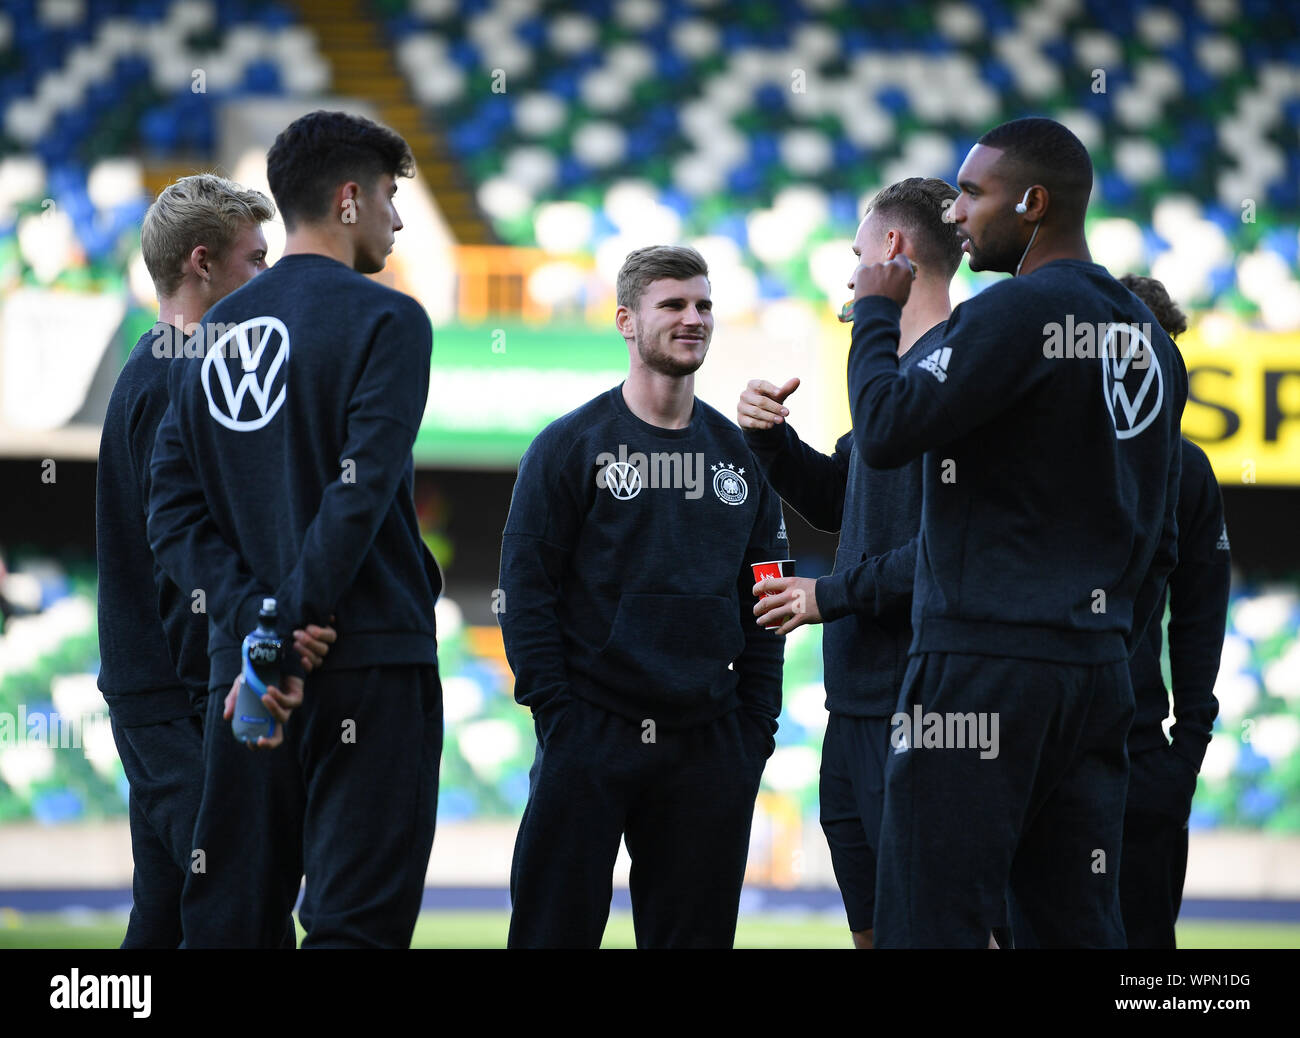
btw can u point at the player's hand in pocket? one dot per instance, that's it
(760, 732)
(1182, 779)
(549, 717)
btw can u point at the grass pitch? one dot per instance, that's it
(453, 929)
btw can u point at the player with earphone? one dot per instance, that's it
(1047, 532)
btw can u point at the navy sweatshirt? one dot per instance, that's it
(1051, 480)
(283, 467)
(625, 567)
(866, 601)
(153, 645)
(1198, 616)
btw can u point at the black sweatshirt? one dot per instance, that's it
(294, 478)
(1051, 481)
(625, 568)
(153, 645)
(1198, 616)
(866, 601)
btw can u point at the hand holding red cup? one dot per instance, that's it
(775, 568)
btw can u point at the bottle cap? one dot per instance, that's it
(268, 605)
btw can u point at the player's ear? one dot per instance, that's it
(893, 244)
(1035, 201)
(623, 321)
(349, 197)
(200, 263)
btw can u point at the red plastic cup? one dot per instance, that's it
(777, 568)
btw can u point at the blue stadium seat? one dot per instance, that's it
(1222, 279)
(744, 180)
(772, 286)
(159, 130)
(672, 68)
(262, 77)
(996, 75)
(572, 172)
(1152, 245)
(532, 31)
(771, 100)
(764, 149)
(732, 225)
(466, 55)
(275, 16)
(677, 202)
(55, 806)
(471, 138)
(563, 83)
(844, 209)
(1285, 242)
(132, 70)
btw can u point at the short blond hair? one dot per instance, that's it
(203, 209)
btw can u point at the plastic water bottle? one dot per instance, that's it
(261, 655)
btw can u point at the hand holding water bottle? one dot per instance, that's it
(256, 706)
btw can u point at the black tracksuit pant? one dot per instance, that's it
(164, 767)
(852, 796)
(350, 799)
(1160, 788)
(683, 803)
(1043, 817)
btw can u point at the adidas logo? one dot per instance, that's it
(937, 363)
(780, 534)
(1223, 540)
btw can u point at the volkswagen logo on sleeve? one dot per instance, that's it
(1131, 379)
(261, 345)
(729, 483)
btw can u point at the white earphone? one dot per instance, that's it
(1023, 207)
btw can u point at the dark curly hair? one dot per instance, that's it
(1156, 297)
(317, 152)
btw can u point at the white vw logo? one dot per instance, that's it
(623, 480)
(1116, 365)
(264, 330)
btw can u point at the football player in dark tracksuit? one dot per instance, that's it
(1047, 532)
(626, 572)
(291, 439)
(866, 603)
(201, 239)
(1162, 777)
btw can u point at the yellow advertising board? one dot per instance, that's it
(1243, 402)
